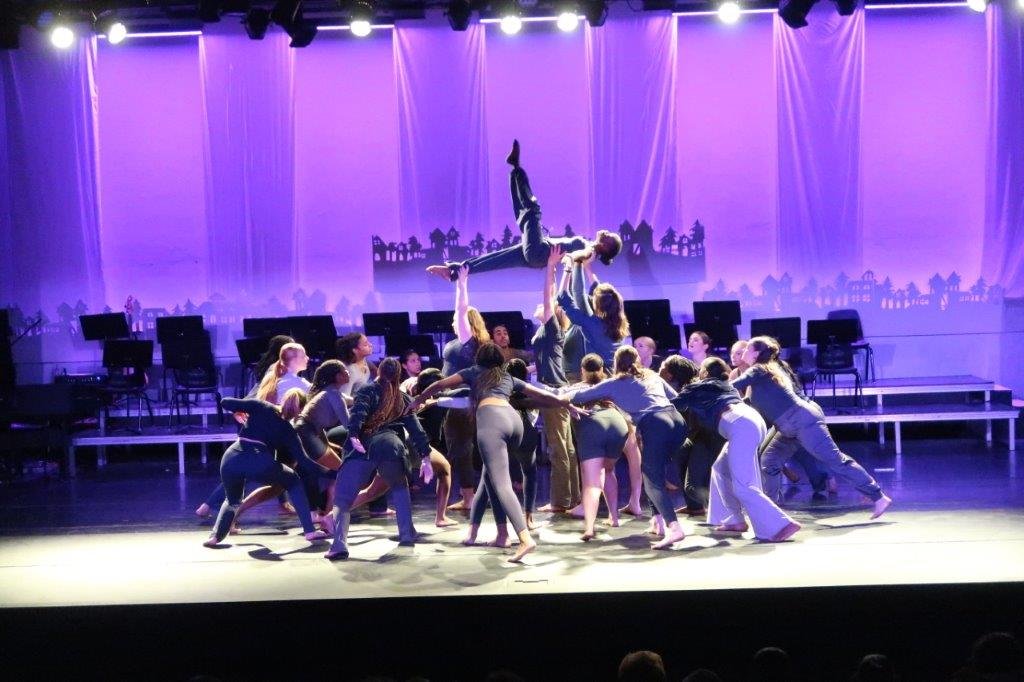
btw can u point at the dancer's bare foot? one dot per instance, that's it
(513, 156)
(632, 510)
(530, 523)
(235, 529)
(787, 532)
(203, 510)
(460, 506)
(881, 504)
(656, 526)
(445, 522)
(442, 271)
(469, 540)
(576, 512)
(731, 528)
(612, 521)
(501, 540)
(286, 507)
(525, 547)
(672, 535)
(587, 535)
(211, 541)
(552, 509)
(387, 512)
(315, 536)
(327, 524)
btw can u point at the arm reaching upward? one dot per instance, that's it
(462, 328)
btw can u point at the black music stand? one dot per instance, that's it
(717, 319)
(645, 315)
(385, 324)
(266, 326)
(435, 322)
(834, 341)
(104, 326)
(513, 321)
(250, 350)
(316, 333)
(121, 354)
(722, 336)
(423, 344)
(785, 330)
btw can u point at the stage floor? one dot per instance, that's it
(125, 535)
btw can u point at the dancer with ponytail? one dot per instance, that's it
(499, 431)
(284, 374)
(606, 326)
(644, 396)
(799, 422)
(378, 426)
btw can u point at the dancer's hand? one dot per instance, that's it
(577, 412)
(463, 274)
(426, 471)
(240, 417)
(357, 445)
(414, 406)
(554, 255)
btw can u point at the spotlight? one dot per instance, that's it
(112, 27)
(596, 11)
(459, 13)
(1020, 4)
(568, 21)
(360, 14)
(61, 36)
(511, 24)
(978, 5)
(288, 15)
(729, 12)
(794, 12)
(256, 22)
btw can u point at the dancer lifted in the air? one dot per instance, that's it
(534, 247)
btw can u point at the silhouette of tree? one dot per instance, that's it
(568, 231)
(913, 294)
(506, 237)
(452, 236)
(415, 248)
(978, 289)
(477, 245)
(953, 282)
(668, 240)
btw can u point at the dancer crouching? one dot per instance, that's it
(644, 395)
(378, 425)
(499, 429)
(735, 477)
(251, 456)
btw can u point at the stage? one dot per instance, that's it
(117, 551)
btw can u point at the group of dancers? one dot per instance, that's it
(358, 431)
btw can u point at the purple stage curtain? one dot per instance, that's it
(819, 75)
(52, 230)
(250, 161)
(1003, 255)
(631, 62)
(441, 78)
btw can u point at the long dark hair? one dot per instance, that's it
(768, 350)
(346, 347)
(678, 371)
(272, 354)
(490, 359)
(608, 307)
(391, 405)
(592, 369)
(325, 375)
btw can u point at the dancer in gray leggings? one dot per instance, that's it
(499, 429)
(798, 422)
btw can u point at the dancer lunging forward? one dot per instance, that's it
(533, 248)
(799, 422)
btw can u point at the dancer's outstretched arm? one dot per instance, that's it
(462, 328)
(549, 284)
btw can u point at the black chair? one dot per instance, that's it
(195, 373)
(860, 344)
(127, 363)
(830, 361)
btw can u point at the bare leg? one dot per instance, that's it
(258, 496)
(673, 534)
(378, 486)
(593, 481)
(470, 538)
(611, 492)
(632, 452)
(501, 539)
(443, 474)
(526, 545)
(466, 503)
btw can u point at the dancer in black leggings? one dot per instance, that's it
(534, 248)
(379, 426)
(251, 456)
(499, 429)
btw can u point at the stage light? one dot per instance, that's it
(596, 11)
(978, 5)
(116, 33)
(288, 15)
(568, 21)
(794, 12)
(360, 17)
(846, 7)
(1020, 4)
(729, 12)
(61, 36)
(459, 13)
(256, 22)
(511, 24)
